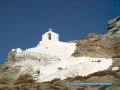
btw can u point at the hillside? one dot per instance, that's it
(95, 58)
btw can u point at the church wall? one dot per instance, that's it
(59, 49)
(50, 44)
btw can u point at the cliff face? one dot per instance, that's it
(93, 45)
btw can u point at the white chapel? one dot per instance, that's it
(50, 44)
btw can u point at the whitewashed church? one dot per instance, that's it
(50, 44)
(53, 60)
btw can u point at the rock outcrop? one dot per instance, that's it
(114, 27)
(98, 45)
(94, 45)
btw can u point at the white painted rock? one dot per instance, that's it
(13, 50)
(18, 50)
(115, 68)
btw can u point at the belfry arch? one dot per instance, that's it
(49, 36)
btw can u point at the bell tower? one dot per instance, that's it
(49, 37)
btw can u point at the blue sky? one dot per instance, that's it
(22, 22)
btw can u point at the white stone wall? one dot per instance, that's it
(55, 48)
(17, 50)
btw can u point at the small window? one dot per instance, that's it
(49, 36)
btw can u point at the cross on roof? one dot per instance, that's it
(50, 29)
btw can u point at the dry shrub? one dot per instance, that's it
(116, 47)
(69, 79)
(2, 81)
(91, 35)
(24, 79)
(101, 73)
(79, 78)
(54, 87)
(81, 88)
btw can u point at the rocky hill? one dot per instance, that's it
(17, 73)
